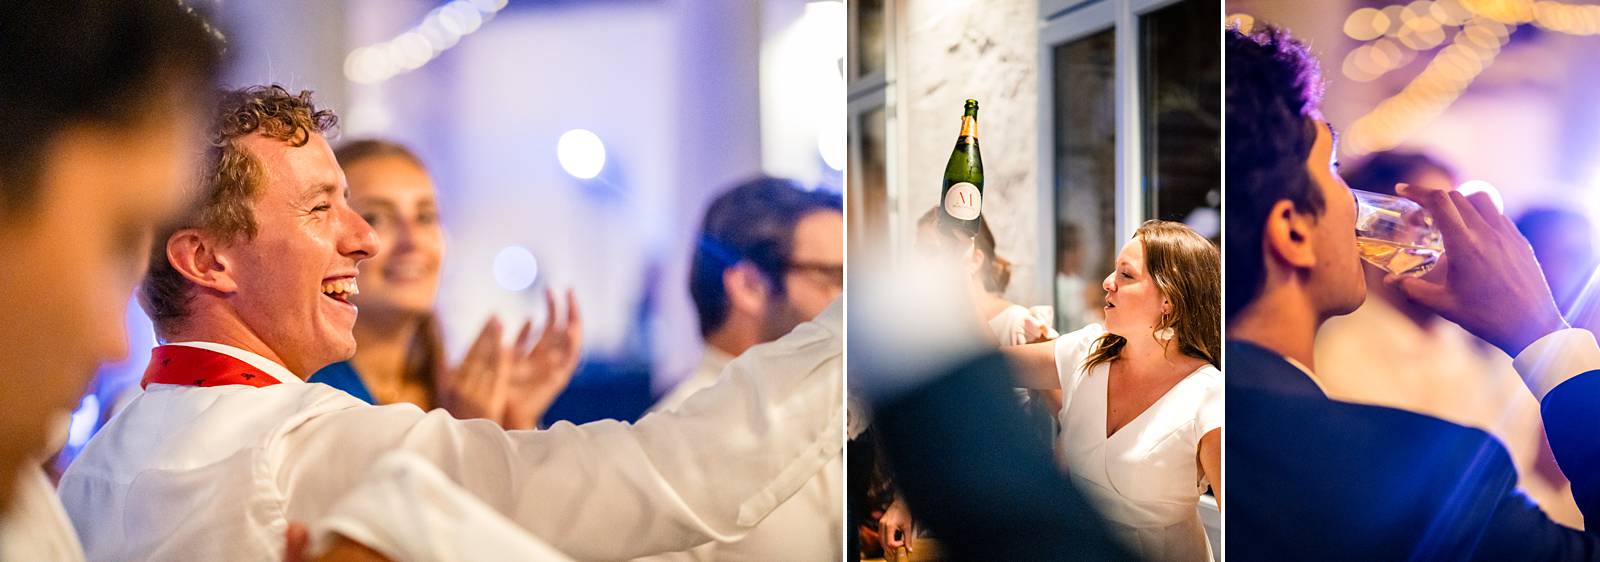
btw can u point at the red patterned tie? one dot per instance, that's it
(192, 366)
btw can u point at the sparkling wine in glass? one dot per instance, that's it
(1396, 234)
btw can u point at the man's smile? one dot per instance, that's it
(340, 288)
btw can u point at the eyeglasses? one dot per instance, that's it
(832, 274)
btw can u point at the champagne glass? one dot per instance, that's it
(1396, 234)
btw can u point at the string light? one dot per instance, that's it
(1471, 33)
(440, 30)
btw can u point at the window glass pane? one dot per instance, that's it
(1182, 105)
(1085, 183)
(870, 40)
(869, 210)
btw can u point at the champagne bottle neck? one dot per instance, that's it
(969, 126)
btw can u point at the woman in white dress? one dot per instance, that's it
(1142, 414)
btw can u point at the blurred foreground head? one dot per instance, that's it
(101, 104)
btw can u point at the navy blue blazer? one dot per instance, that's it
(1311, 478)
(966, 460)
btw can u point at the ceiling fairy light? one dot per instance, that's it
(1471, 33)
(440, 30)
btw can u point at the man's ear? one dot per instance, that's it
(1288, 235)
(195, 256)
(747, 288)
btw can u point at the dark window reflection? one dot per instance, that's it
(1085, 182)
(869, 213)
(1182, 107)
(869, 37)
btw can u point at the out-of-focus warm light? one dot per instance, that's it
(1480, 186)
(1415, 10)
(1357, 66)
(1451, 12)
(581, 153)
(1366, 24)
(1395, 16)
(1242, 22)
(515, 268)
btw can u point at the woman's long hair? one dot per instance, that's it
(995, 270)
(1187, 271)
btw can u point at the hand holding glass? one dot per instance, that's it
(1396, 234)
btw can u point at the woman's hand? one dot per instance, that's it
(479, 386)
(895, 527)
(538, 375)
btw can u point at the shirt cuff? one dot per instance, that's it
(1556, 357)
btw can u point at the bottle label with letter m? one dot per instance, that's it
(963, 201)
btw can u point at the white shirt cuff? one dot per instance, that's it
(1556, 357)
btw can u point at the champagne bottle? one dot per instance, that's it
(963, 178)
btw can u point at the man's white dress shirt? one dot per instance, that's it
(215, 473)
(408, 510)
(809, 526)
(712, 362)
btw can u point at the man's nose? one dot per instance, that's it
(358, 240)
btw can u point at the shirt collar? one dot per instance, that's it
(1258, 368)
(266, 365)
(715, 359)
(1307, 371)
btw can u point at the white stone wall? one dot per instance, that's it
(988, 51)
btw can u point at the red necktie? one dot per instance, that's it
(192, 366)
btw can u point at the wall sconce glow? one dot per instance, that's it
(515, 268)
(1475, 186)
(581, 153)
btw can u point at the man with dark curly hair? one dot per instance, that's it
(1315, 478)
(250, 292)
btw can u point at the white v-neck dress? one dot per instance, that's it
(1145, 478)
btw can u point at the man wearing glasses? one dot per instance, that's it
(770, 255)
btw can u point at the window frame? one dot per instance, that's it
(1064, 21)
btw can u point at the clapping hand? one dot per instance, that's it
(540, 373)
(479, 386)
